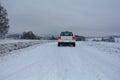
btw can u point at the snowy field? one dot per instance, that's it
(7, 46)
(86, 61)
(99, 39)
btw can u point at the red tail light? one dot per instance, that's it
(73, 38)
(59, 37)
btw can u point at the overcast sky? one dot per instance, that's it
(84, 17)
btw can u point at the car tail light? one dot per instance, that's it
(59, 37)
(73, 38)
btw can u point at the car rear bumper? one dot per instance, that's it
(66, 43)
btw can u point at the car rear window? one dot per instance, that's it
(66, 34)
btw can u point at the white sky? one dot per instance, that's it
(86, 17)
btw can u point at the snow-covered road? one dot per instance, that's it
(49, 62)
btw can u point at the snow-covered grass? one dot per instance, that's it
(20, 40)
(7, 46)
(86, 61)
(108, 47)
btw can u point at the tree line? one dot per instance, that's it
(4, 22)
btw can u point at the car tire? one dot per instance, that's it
(58, 44)
(74, 45)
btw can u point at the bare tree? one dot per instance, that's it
(4, 22)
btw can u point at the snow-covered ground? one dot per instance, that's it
(7, 46)
(108, 47)
(86, 61)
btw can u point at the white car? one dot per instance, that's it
(66, 38)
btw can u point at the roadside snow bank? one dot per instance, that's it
(10, 45)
